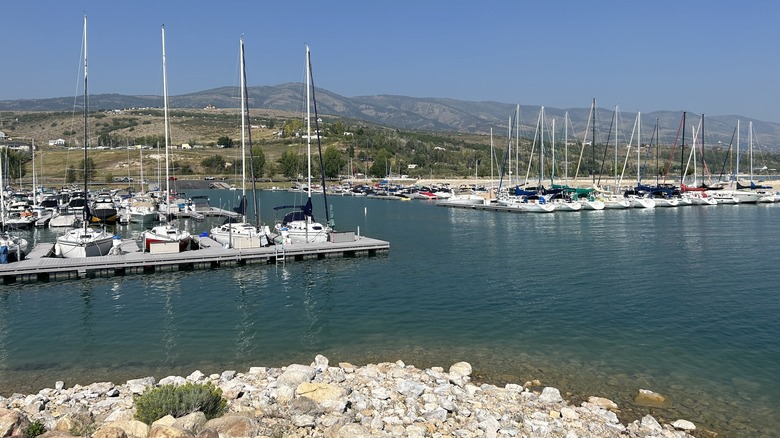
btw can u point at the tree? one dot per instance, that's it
(90, 171)
(214, 163)
(258, 161)
(332, 162)
(291, 127)
(290, 164)
(70, 175)
(380, 168)
(225, 141)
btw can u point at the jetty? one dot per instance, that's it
(41, 266)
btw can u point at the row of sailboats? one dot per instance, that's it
(297, 227)
(565, 198)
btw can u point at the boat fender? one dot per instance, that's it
(57, 250)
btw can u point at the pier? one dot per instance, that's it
(41, 266)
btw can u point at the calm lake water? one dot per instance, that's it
(681, 301)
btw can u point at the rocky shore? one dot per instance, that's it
(344, 401)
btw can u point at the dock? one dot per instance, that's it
(41, 266)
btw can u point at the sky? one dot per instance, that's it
(714, 57)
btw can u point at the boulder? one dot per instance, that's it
(651, 399)
(163, 431)
(296, 374)
(138, 386)
(109, 432)
(192, 423)
(132, 428)
(602, 402)
(12, 423)
(233, 426)
(684, 425)
(550, 395)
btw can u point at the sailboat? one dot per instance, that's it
(241, 234)
(166, 235)
(299, 226)
(84, 241)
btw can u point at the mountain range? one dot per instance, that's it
(440, 114)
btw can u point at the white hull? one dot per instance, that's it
(302, 232)
(84, 243)
(238, 235)
(567, 206)
(637, 202)
(63, 220)
(595, 204)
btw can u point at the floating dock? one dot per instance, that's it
(40, 266)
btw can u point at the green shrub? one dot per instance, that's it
(178, 401)
(34, 429)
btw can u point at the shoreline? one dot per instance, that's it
(383, 399)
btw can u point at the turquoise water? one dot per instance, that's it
(680, 301)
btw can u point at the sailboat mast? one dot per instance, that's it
(638, 144)
(165, 127)
(593, 143)
(245, 100)
(682, 151)
(750, 145)
(566, 147)
(243, 134)
(85, 211)
(308, 120)
(517, 144)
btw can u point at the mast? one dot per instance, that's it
(750, 145)
(165, 127)
(245, 102)
(593, 143)
(308, 121)
(736, 170)
(517, 145)
(657, 169)
(566, 147)
(319, 144)
(638, 145)
(243, 134)
(85, 211)
(682, 151)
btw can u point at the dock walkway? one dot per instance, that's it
(40, 266)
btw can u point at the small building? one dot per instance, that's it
(57, 142)
(2, 135)
(186, 146)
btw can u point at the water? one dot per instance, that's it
(679, 301)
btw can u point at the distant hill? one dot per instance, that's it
(432, 114)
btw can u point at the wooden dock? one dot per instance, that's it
(39, 265)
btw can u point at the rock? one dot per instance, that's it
(167, 420)
(55, 434)
(12, 423)
(208, 433)
(650, 425)
(59, 385)
(651, 399)
(138, 386)
(163, 431)
(132, 428)
(602, 402)
(550, 395)
(353, 431)
(227, 375)
(233, 426)
(460, 373)
(192, 423)
(568, 413)
(296, 374)
(119, 415)
(329, 397)
(196, 376)
(173, 380)
(109, 432)
(320, 363)
(683, 425)
(409, 388)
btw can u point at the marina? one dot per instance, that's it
(40, 265)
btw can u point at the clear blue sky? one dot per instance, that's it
(716, 57)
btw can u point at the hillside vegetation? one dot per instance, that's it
(120, 140)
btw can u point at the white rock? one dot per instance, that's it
(227, 375)
(409, 388)
(173, 380)
(550, 395)
(196, 376)
(59, 385)
(650, 424)
(138, 386)
(684, 425)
